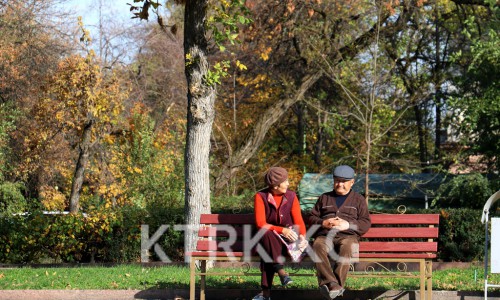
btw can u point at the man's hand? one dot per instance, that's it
(289, 234)
(336, 223)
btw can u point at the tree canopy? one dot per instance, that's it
(385, 86)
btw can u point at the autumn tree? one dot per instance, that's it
(84, 103)
(32, 40)
(296, 43)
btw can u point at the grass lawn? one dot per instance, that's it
(142, 278)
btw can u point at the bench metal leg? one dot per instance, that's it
(192, 278)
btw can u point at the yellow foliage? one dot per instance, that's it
(240, 65)
(264, 55)
(52, 198)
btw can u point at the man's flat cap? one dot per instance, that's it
(344, 172)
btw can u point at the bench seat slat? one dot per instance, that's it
(361, 255)
(397, 255)
(211, 245)
(216, 254)
(217, 232)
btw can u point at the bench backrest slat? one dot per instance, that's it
(374, 232)
(227, 219)
(415, 219)
(218, 232)
(377, 219)
(397, 246)
(402, 232)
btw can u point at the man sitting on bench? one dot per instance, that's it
(344, 218)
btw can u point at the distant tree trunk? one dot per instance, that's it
(437, 140)
(422, 149)
(437, 83)
(200, 117)
(81, 164)
(321, 138)
(301, 129)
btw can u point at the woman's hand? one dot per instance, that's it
(289, 234)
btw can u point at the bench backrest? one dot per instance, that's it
(391, 235)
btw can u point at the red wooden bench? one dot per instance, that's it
(393, 238)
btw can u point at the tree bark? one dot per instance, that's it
(437, 84)
(301, 129)
(256, 138)
(422, 149)
(321, 137)
(200, 117)
(81, 164)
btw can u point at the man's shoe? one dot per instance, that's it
(325, 292)
(286, 280)
(330, 294)
(336, 293)
(261, 297)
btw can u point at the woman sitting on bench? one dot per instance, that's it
(277, 210)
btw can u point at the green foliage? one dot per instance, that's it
(172, 241)
(100, 236)
(224, 25)
(461, 235)
(237, 204)
(220, 70)
(464, 191)
(478, 103)
(58, 238)
(225, 21)
(156, 175)
(8, 116)
(11, 198)
(123, 243)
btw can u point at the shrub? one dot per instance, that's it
(464, 191)
(11, 198)
(461, 233)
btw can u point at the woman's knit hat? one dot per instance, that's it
(275, 176)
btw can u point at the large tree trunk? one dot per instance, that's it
(200, 117)
(81, 164)
(256, 138)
